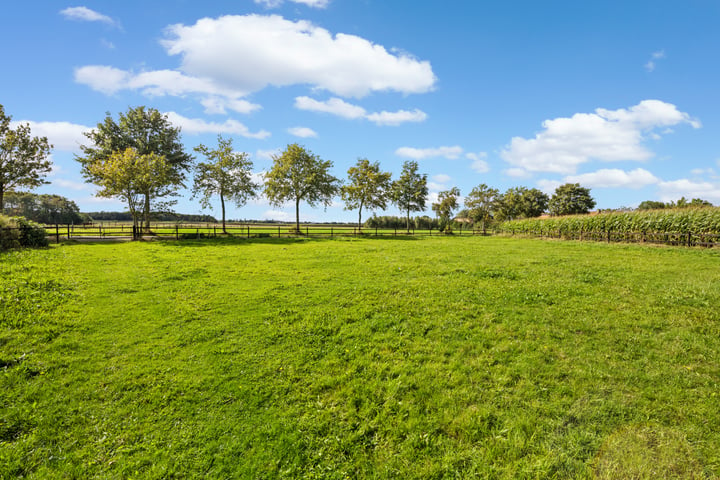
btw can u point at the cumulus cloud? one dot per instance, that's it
(64, 136)
(195, 126)
(478, 164)
(333, 106)
(397, 118)
(302, 132)
(85, 14)
(451, 153)
(220, 105)
(267, 154)
(341, 108)
(278, 215)
(441, 178)
(606, 135)
(673, 190)
(270, 50)
(614, 178)
(309, 3)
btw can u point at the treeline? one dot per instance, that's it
(390, 221)
(47, 209)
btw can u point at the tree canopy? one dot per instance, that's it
(570, 199)
(369, 187)
(131, 177)
(480, 203)
(47, 209)
(410, 191)
(228, 174)
(299, 175)
(146, 131)
(23, 158)
(447, 202)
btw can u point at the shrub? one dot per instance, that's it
(19, 232)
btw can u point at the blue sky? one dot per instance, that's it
(618, 96)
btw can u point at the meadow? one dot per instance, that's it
(407, 357)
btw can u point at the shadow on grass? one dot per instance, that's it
(284, 240)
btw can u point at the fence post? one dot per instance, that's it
(331, 232)
(68, 231)
(177, 232)
(307, 231)
(57, 233)
(278, 231)
(248, 233)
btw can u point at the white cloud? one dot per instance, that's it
(441, 178)
(220, 105)
(302, 132)
(86, 15)
(478, 164)
(270, 50)
(197, 126)
(64, 136)
(673, 190)
(614, 178)
(606, 135)
(651, 64)
(517, 173)
(703, 171)
(309, 3)
(450, 153)
(548, 186)
(334, 106)
(267, 154)
(70, 184)
(397, 118)
(341, 108)
(435, 187)
(277, 215)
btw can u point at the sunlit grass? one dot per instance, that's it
(382, 358)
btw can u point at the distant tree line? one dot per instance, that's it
(682, 203)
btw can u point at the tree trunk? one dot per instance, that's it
(222, 202)
(297, 215)
(360, 217)
(147, 212)
(408, 220)
(2, 199)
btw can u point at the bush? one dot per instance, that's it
(19, 232)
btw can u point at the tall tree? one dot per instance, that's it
(410, 191)
(132, 177)
(228, 174)
(480, 202)
(23, 158)
(368, 187)
(509, 205)
(571, 198)
(447, 202)
(534, 202)
(145, 130)
(299, 175)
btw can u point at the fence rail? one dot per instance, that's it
(184, 231)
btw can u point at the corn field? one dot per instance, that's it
(686, 226)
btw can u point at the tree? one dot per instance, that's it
(447, 202)
(651, 205)
(570, 199)
(132, 177)
(368, 187)
(509, 205)
(47, 209)
(534, 202)
(410, 191)
(298, 175)
(228, 174)
(23, 158)
(480, 202)
(146, 131)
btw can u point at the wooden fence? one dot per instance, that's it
(688, 239)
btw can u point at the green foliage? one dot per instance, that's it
(368, 187)
(477, 357)
(145, 130)
(480, 203)
(19, 232)
(391, 221)
(570, 199)
(47, 209)
(410, 191)
(651, 205)
(520, 202)
(23, 158)
(299, 175)
(228, 175)
(447, 202)
(131, 177)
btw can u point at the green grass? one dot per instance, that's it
(360, 358)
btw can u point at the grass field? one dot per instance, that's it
(417, 358)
